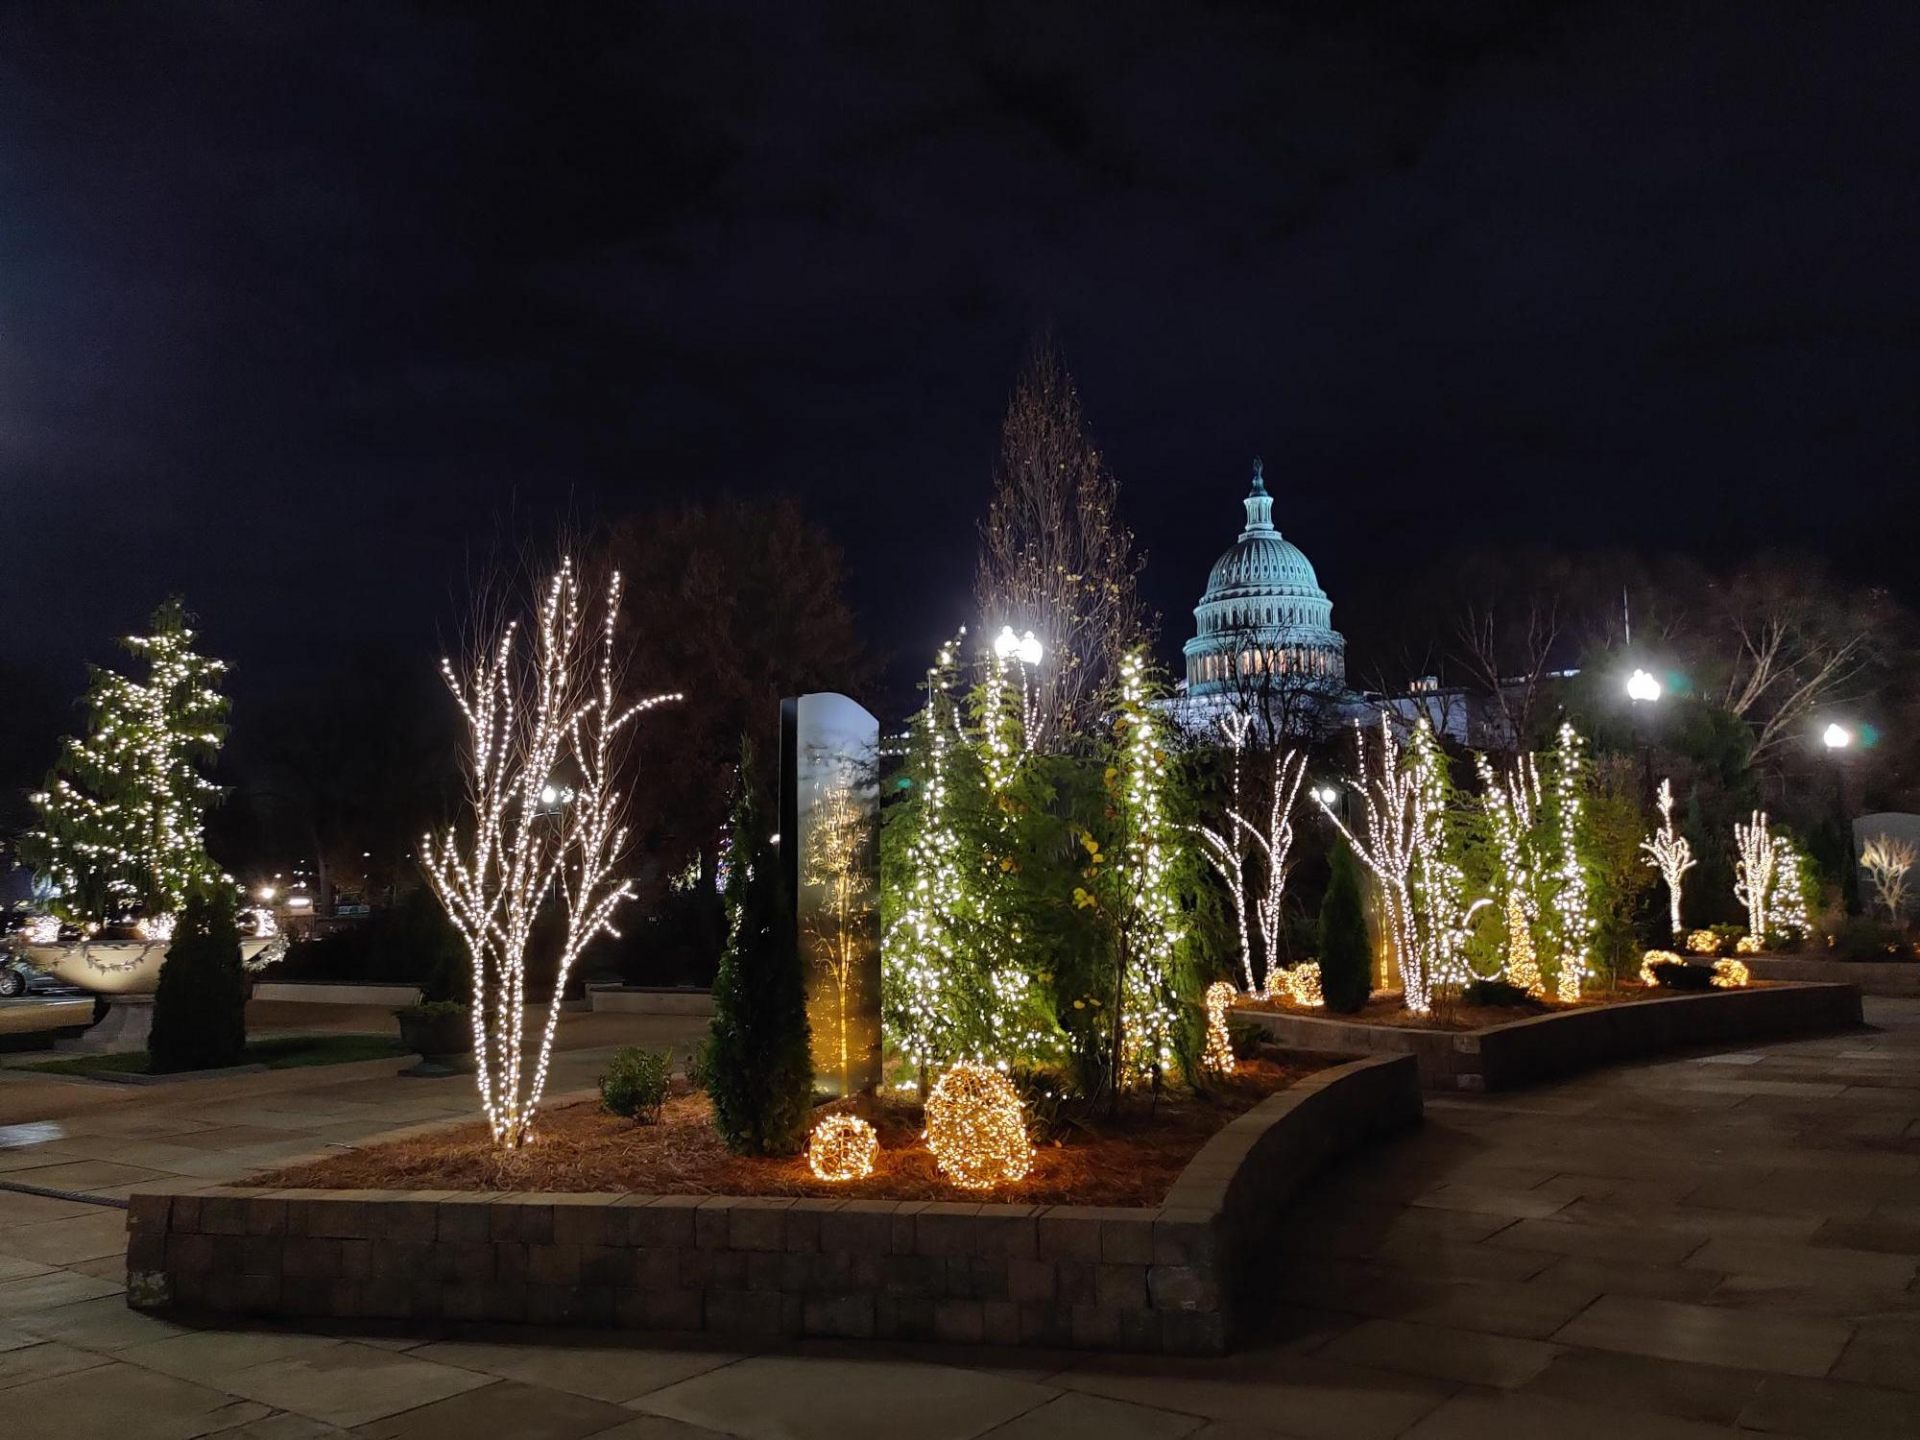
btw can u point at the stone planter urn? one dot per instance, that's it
(441, 1034)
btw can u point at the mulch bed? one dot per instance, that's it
(1130, 1158)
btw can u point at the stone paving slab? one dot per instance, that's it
(1690, 1263)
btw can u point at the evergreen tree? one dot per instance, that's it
(760, 1066)
(1346, 959)
(200, 1006)
(122, 814)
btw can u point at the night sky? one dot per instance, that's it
(300, 303)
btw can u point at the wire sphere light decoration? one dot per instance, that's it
(842, 1147)
(976, 1130)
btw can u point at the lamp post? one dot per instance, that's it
(1644, 688)
(1027, 651)
(1837, 739)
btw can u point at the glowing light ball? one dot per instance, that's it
(1730, 974)
(1303, 983)
(1703, 942)
(1747, 945)
(1653, 958)
(842, 1147)
(1218, 1055)
(976, 1130)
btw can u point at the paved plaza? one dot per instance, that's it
(1708, 1246)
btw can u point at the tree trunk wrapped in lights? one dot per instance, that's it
(545, 749)
(1569, 878)
(1150, 928)
(1887, 859)
(1754, 870)
(1409, 851)
(1668, 852)
(1241, 844)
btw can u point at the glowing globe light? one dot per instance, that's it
(976, 1130)
(1641, 685)
(842, 1147)
(1326, 794)
(1836, 737)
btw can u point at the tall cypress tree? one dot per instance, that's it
(200, 1005)
(1346, 960)
(760, 1066)
(122, 813)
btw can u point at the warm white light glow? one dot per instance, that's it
(1642, 685)
(1218, 1056)
(1668, 852)
(1836, 737)
(299, 902)
(1252, 859)
(842, 1147)
(528, 712)
(976, 1130)
(266, 894)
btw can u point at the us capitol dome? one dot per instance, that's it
(1264, 621)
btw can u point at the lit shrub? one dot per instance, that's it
(1703, 942)
(1730, 975)
(1653, 958)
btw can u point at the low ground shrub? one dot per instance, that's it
(1682, 976)
(1864, 939)
(200, 1004)
(1495, 992)
(635, 1084)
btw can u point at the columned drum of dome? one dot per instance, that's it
(1264, 616)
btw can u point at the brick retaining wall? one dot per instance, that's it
(1164, 1278)
(1544, 1047)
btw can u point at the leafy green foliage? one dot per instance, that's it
(200, 1005)
(635, 1083)
(1613, 823)
(760, 1071)
(1346, 959)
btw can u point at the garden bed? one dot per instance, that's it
(1564, 1039)
(1168, 1277)
(1130, 1158)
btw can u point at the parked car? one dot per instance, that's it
(18, 978)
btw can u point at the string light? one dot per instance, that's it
(1151, 920)
(1218, 1055)
(154, 929)
(1787, 901)
(1523, 967)
(1754, 869)
(528, 715)
(976, 1130)
(1570, 892)
(1730, 974)
(1703, 942)
(1422, 888)
(1303, 984)
(42, 930)
(1668, 852)
(1653, 958)
(841, 1148)
(1269, 845)
(121, 821)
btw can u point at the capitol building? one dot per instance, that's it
(1264, 627)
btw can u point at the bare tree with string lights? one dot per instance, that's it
(544, 763)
